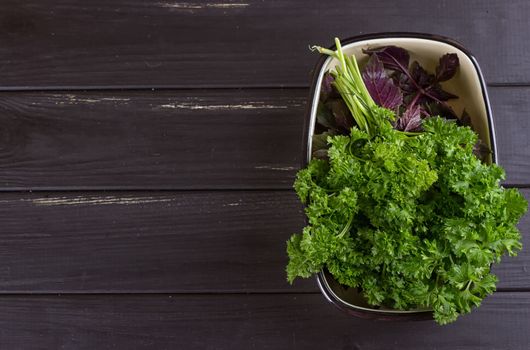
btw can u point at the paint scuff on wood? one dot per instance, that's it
(96, 200)
(234, 204)
(75, 99)
(279, 168)
(200, 6)
(212, 107)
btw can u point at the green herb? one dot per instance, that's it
(412, 220)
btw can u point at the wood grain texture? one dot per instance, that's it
(203, 268)
(147, 242)
(511, 107)
(65, 43)
(175, 242)
(185, 139)
(245, 322)
(151, 140)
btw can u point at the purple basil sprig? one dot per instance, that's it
(381, 87)
(417, 85)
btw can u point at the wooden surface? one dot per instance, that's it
(147, 153)
(244, 321)
(236, 43)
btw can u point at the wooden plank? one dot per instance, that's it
(175, 242)
(189, 139)
(512, 127)
(151, 140)
(147, 242)
(245, 322)
(64, 43)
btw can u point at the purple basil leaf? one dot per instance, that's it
(481, 150)
(343, 117)
(442, 110)
(447, 67)
(320, 154)
(380, 86)
(465, 119)
(438, 94)
(410, 120)
(397, 77)
(327, 90)
(420, 75)
(403, 83)
(393, 57)
(325, 117)
(320, 141)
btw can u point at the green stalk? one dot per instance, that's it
(354, 67)
(350, 84)
(346, 228)
(352, 102)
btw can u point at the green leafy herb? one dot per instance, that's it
(411, 219)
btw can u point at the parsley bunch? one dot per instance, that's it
(412, 220)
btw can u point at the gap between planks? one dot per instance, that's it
(125, 88)
(193, 293)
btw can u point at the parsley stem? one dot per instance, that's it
(347, 227)
(469, 284)
(350, 84)
(411, 133)
(323, 50)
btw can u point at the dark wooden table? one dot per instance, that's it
(147, 154)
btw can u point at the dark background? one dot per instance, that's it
(147, 153)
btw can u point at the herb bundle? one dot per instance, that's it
(398, 204)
